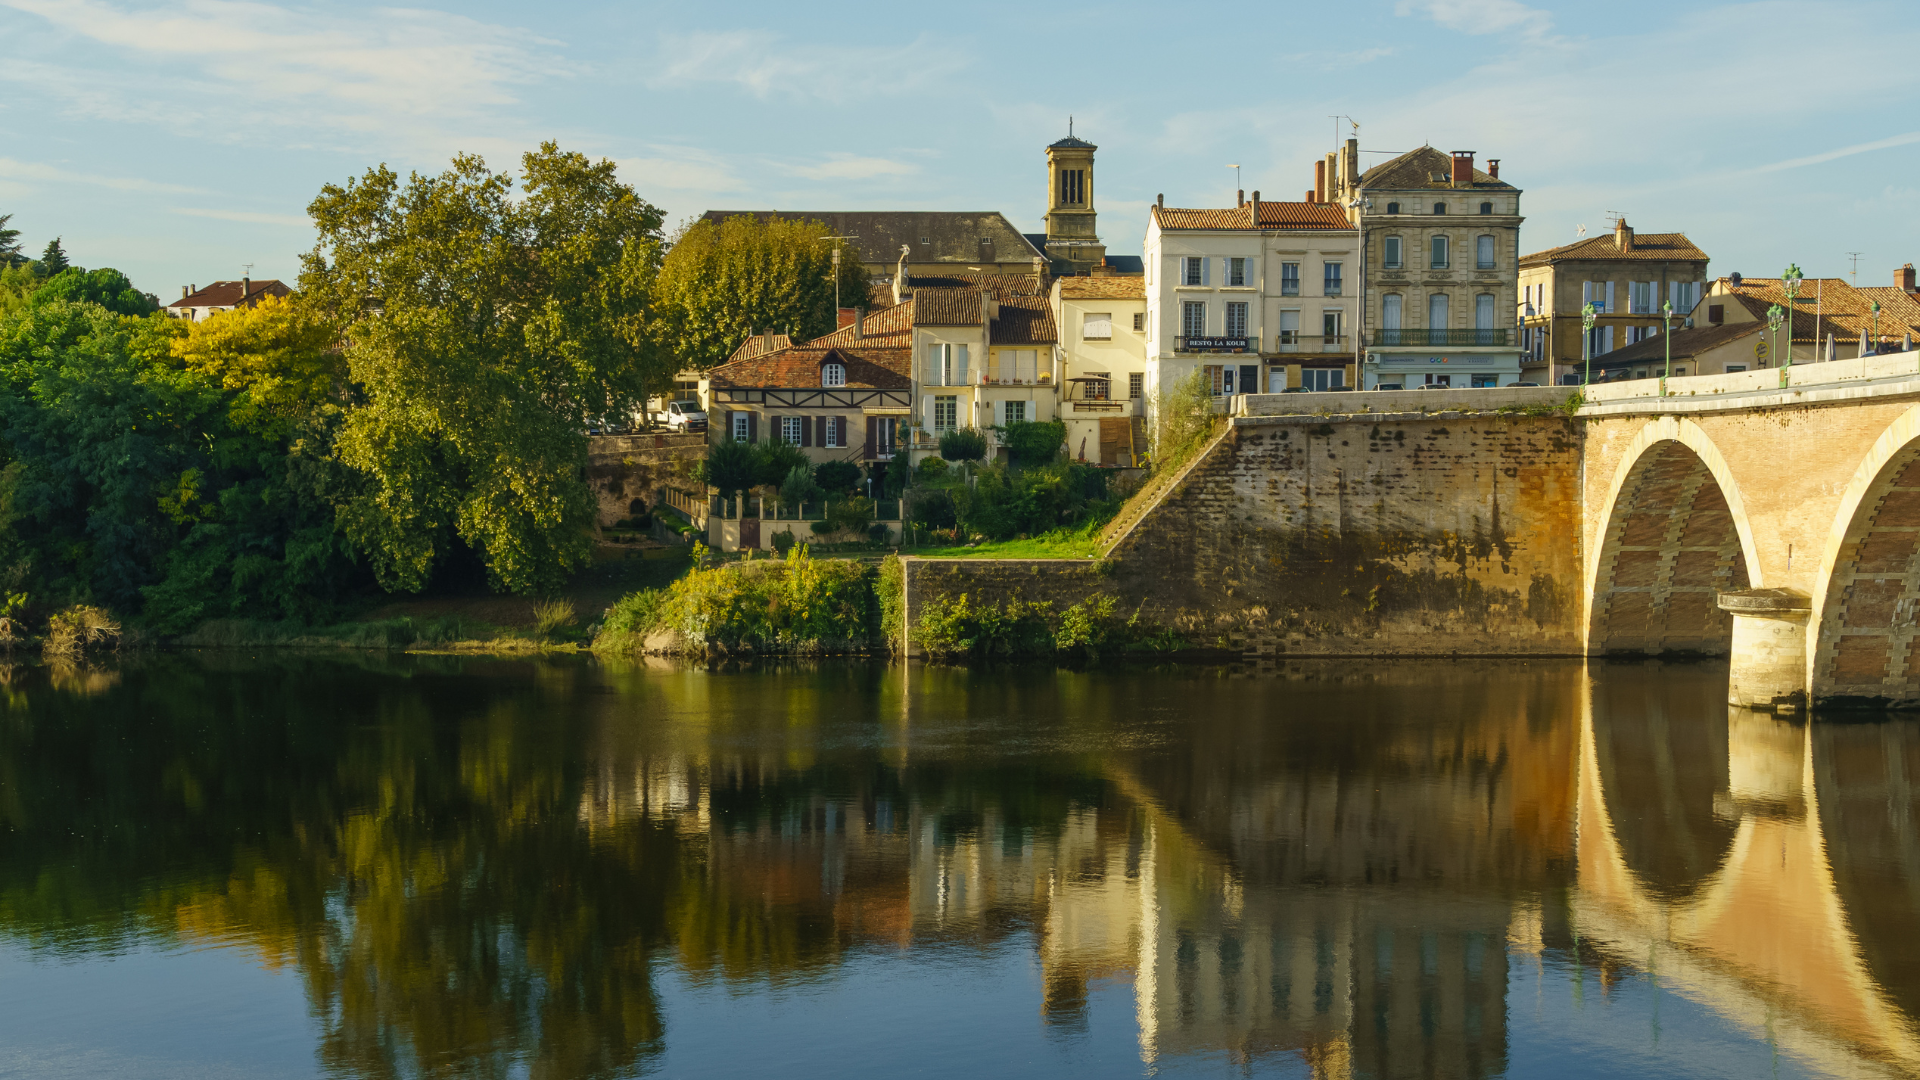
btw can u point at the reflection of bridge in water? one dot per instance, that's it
(1768, 869)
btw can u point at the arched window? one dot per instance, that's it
(1393, 208)
(1486, 208)
(1439, 208)
(833, 373)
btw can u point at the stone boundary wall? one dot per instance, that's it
(1457, 398)
(623, 469)
(1065, 582)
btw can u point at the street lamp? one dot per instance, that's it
(1775, 315)
(1666, 334)
(1876, 327)
(1790, 283)
(1586, 341)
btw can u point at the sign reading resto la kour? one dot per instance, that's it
(1217, 344)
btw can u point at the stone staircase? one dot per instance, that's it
(1152, 495)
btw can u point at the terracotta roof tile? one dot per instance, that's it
(963, 236)
(759, 345)
(1103, 288)
(1024, 319)
(946, 306)
(1841, 309)
(230, 294)
(1647, 247)
(1686, 344)
(1273, 215)
(880, 357)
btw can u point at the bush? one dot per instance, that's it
(931, 508)
(1183, 419)
(775, 461)
(798, 605)
(891, 590)
(77, 630)
(964, 444)
(954, 626)
(848, 515)
(898, 472)
(783, 540)
(798, 488)
(1034, 442)
(931, 470)
(835, 477)
(730, 467)
(879, 533)
(552, 616)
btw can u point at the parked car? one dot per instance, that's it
(684, 416)
(1523, 384)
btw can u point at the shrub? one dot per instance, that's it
(1034, 442)
(783, 540)
(798, 488)
(964, 444)
(552, 616)
(931, 470)
(1183, 419)
(848, 515)
(796, 605)
(835, 477)
(891, 591)
(775, 461)
(931, 508)
(879, 533)
(730, 466)
(75, 631)
(898, 472)
(954, 626)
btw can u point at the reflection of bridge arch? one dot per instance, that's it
(1676, 533)
(1868, 588)
(1805, 983)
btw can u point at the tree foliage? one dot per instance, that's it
(732, 467)
(9, 243)
(107, 287)
(1034, 442)
(725, 279)
(963, 444)
(486, 320)
(53, 259)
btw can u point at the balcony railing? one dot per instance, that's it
(1443, 337)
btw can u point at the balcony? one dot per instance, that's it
(1483, 338)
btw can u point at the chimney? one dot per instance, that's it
(246, 288)
(1160, 200)
(1319, 181)
(1253, 214)
(1309, 196)
(1039, 271)
(187, 290)
(859, 322)
(1241, 195)
(845, 317)
(1462, 167)
(900, 290)
(1493, 167)
(1903, 277)
(1622, 236)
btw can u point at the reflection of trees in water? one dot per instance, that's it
(1865, 780)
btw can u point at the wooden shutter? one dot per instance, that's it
(960, 367)
(871, 451)
(1609, 308)
(1203, 270)
(806, 429)
(753, 427)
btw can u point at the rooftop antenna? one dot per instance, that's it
(1236, 174)
(1855, 273)
(1580, 232)
(1615, 216)
(836, 266)
(1069, 125)
(248, 267)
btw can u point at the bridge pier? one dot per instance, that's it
(1769, 652)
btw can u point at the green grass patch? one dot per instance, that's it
(1081, 543)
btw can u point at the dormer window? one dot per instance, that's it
(833, 373)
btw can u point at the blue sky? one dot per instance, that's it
(180, 141)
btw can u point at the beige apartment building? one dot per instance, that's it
(1102, 323)
(1626, 277)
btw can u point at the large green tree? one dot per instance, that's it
(486, 318)
(9, 243)
(53, 259)
(725, 279)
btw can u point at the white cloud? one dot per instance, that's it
(678, 170)
(764, 66)
(30, 170)
(248, 217)
(1480, 16)
(851, 167)
(1845, 151)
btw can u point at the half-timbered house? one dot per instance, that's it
(843, 397)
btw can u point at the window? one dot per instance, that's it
(1393, 208)
(1716, 314)
(1485, 381)
(1193, 270)
(1016, 411)
(1483, 253)
(1330, 283)
(1193, 319)
(833, 431)
(1330, 326)
(740, 432)
(1013, 365)
(1096, 386)
(1486, 208)
(884, 431)
(1139, 321)
(1438, 248)
(1290, 279)
(790, 430)
(1322, 378)
(1483, 311)
(1735, 367)
(946, 411)
(1437, 312)
(1237, 272)
(1390, 312)
(1391, 256)
(834, 374)
(1136, 382)
(1439, 208)
(946, 365)
(1683, 295)
(1073, 186)
(1097, 326)
(1289, 331)
(1236, 320)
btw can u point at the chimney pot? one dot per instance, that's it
(1462, 167)
(1493, 167)
(186, 291)
(1903, 277)
(859, 322)
(1319, 180)
(1160, 200)
(844, 318)
(1309, 196)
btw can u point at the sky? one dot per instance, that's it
(180, 142)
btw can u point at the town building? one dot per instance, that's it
(935, 241)
(1261, 296)
(1440, 277)
(986, 354)
(196, 303)
(1626, 277)
(1102, 324)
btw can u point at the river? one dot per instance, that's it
(228, 866)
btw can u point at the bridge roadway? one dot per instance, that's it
(1773, 514)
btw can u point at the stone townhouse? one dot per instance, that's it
(1439, 240)
(1626, 277)
(1102, 322)
(1261, 297)
(986, 353)
(846, 396)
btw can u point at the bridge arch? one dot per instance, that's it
(1867, 594)
(1675, 533)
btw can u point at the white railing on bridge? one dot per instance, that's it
(1801, 375)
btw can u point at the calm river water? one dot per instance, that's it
(227, 867)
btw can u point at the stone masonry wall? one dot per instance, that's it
(625, 469)
(1408, 534)
(1065, 582)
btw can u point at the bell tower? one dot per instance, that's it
(1073, 243)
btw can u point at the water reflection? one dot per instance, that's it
(494, 868)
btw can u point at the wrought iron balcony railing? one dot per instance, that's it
(1443, 337)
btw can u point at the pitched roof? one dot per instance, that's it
(946, 306)
(232, 293)
(1646, 247)
(759, 345)
(1024, 319)
(1686, 344)
(1071, 143)
(1103, 288)
(1126, 264)
(1273, 215)
(965, 237)
(1837, 307)
(1417, 168)
(879, 357)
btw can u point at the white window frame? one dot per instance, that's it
(1097, 326)
(1486, 254)
(1236, 325)
(1188, 310)
(1393, 255)
(1193, 270)
(1288, 338)
(740, 427)
(1330, 278)
(1237, 271)
(1439, 253)
(1289, 279)
(791, 431)
(1330, 318)
(946, 412)
(833, 374)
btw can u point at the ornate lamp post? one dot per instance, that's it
(1790, 283)
(1775, 315)
(1666, 334)
(1876, 327)
(1586, 341)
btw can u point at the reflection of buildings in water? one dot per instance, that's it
(1750, 915)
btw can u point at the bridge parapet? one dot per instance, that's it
(1838, 380)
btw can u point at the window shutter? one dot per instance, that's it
(960, 366)
(806, 429)
(1203, 270)
(1606, 337)
(1610, 308)
(926, 411)
(1586, 293)
(753, 427)
(869, 450)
